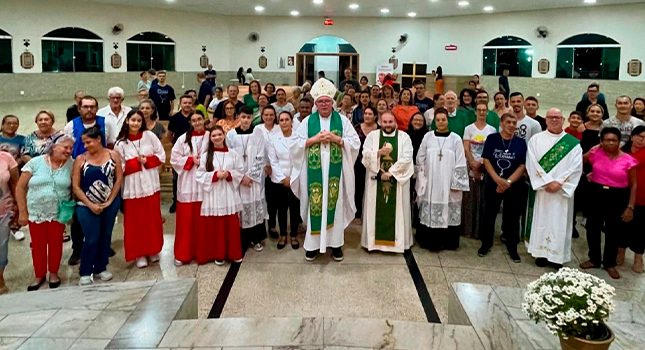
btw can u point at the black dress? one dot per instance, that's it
(359, 174)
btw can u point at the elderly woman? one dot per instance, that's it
(8, 179)
(296, 95)
(149, 110)
(612, 187)
(43, 195)
(636, 240)
(40, 141)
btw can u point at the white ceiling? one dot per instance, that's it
(367, 8)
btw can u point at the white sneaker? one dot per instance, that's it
(178, 263)
(142, 262)
(154, 258)
(258, 247)
(85, 281)
(219, 262)
(105, 275)
(18, 235)
(238, 260)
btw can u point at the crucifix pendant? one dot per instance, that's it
(501, 172)
(244, 156)
(440, 155)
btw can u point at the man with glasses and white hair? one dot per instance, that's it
(115, 112)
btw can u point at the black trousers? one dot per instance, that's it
(253, 235)
(636, 239)
(77, 236)
(286, 200)
(511, 212)
(609, 205)
(437, 239)
(359, 187)
(271, 193)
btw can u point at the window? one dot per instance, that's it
(150, 50)
(588, 56)
(72, 50)
(5, 52)
(411, 72)
(508, 52)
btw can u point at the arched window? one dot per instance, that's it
(5, 52)
(588, 56)
(72, 50)
(508, 52)
(151, 50)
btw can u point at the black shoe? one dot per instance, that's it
(337, 254)
(555, 266)
(514, 256)
(66, 237)
(575, 233)
(483, 251)
(541, 262)
(73, 260)
(54, 285)
(37, 286)
(112, 252)
(310, 255)
(282, 244)
(173, 208)
(273, 234)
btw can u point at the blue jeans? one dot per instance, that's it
(97, 232)
(4, 241)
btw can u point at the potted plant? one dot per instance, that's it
(574, 305)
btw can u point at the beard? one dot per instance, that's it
(389, 129)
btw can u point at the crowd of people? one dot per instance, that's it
(266, 165)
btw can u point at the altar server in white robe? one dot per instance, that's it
(142, 155)
(184, 158)
(324, 152)
(387, 156)
(249, 142)
(442, 176)
(554, 164)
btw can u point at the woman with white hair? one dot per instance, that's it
(44, 202)
(296, 94)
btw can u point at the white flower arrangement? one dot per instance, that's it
(570, 302)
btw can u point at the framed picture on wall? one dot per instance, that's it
(290, 61)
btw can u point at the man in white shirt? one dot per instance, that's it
(115, 112)
(526, 126)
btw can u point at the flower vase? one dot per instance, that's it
(574, 343)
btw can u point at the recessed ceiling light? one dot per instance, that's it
(259, 8)
(295, 13)
(385, 10)
(434, 0)
(170, 1)
(488, 8)
(318, 2)
(412, 14)
(463, 3)
(353, 6)
(590, 1)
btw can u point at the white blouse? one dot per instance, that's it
(188, 190)
(143, 183)
(280, 157)
(221, 197)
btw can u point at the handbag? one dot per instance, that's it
(65, 209)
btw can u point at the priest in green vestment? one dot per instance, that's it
(387, 156)
(323, 154)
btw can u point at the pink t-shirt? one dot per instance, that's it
(6, 164)
(610, 172)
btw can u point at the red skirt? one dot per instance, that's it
(218, 238)
(142, 227)
(187, 222)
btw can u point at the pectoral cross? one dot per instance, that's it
(440, 155)
(244, 156)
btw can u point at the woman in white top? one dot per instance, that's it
(142, 155)
(475, 135)
(270, 130)
(249, 142)
(220, 173)
(184, 158)
(281, 164)
(281, 104)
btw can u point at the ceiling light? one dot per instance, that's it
(259, 8)
(295, 13)
(434, 0)
(412, 14)
(488, 8)
(590, 1)
(318, 2)
(463, 3)
(385, 10)
(353, 6)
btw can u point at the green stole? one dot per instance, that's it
(385, 224)
(314, 173)
(548, 161)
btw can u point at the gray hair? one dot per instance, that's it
(115, 91)
(59, 140)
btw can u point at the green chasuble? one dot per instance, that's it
(314, 173)
(459, 122)
(548, 161)
(386, 194)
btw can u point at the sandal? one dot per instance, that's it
(295, 244)
(282, 242)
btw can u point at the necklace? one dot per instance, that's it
(199, 144)
(441, 148)
(509, 144)
(219, 165)
(245, 145)
(137, 147)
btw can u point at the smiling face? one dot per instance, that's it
(44, 122)
(623, 105)
(441, 122)
(517, 103)
(62, 150)
(134, 123)
(324, 105)
(281, 96)
(381, 106)
(217, 138)
(285, 122)
(388, 123)
(268, 116)
(500, 101)
(406, 97)
(417, 121)
(595, 113)
(197, 122)
(467, 98)
(368, 116)
(91, 145)
(245, 120)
